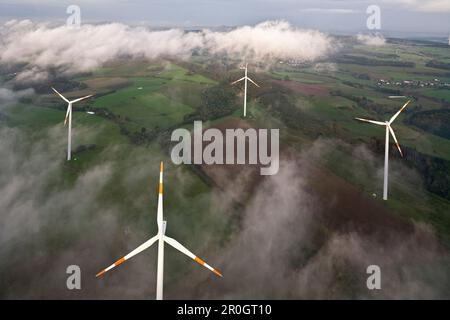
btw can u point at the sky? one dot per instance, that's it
(401, 16)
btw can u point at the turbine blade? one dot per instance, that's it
(395, 139)
(243, 78)
(174, 243)
(399, 111)
(159, 214)
(67, 113)
(77, 100)
(372, 121)
(252, 82)
(139, 249)
(59, 94)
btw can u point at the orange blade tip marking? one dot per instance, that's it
(100, 274)
(119, 261)
(161, 167)
(199, 260)
(218, 273)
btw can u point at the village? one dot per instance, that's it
(435, 83)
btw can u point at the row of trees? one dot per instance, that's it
(216, 102)
(362, 102)
(435, 171)
(433, 121)
(278, 104)
(438, 64)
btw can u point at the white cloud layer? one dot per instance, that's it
(375, 40)
(270, 40)
(40, 46)
(8, 96)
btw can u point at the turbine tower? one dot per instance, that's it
(386, 150)
(69, 117)
(245, 78)
(161, 238)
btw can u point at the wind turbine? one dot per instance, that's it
(245, 78)
(69, 117)
(161, 238)
(386, 150)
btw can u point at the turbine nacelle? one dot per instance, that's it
(164, 227)
(70, 102)
(388, 125)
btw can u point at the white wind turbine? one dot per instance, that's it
(245, 78)
(161, 238)
(69, 116)
(386, 150)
